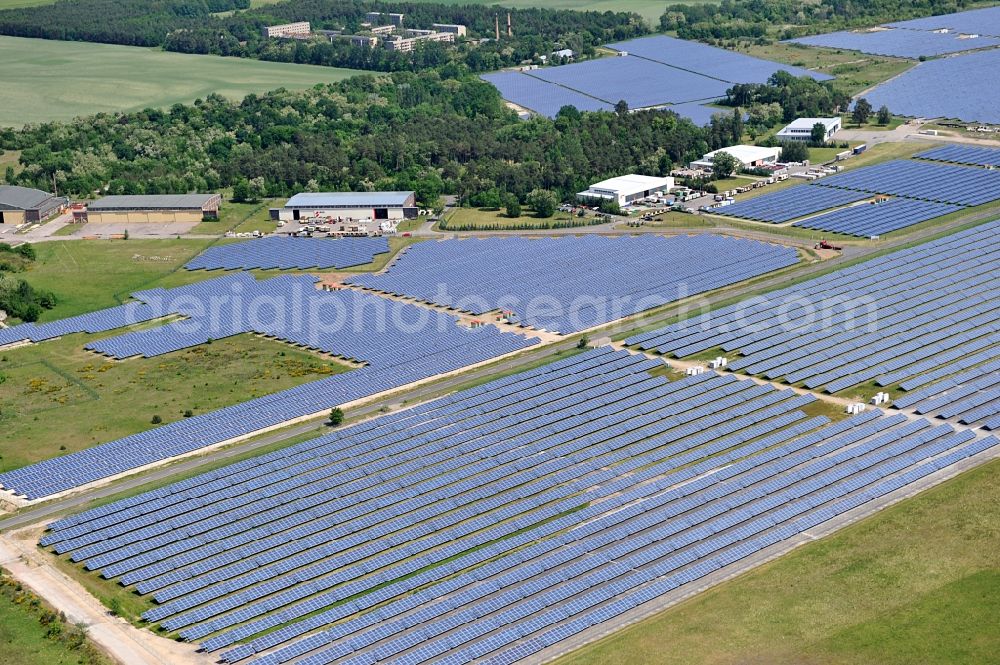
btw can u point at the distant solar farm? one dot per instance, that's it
(957, 87)
(656, 71)
(924, 190)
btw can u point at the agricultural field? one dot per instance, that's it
(57, 397)
(54, 80)
(916, 583)
(651, 10)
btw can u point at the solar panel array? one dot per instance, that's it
(657, 71)
(382, 333)
(785, 205)
(897, 315)
(966, 391)
(498, 521)
(873, 219)
(540, 96)
(899, 42)
(977, 21)
(573, 283)
(963, 154)
(954, 87)
(94, 322)
(284, 253)
(709, 61)
(922, 180)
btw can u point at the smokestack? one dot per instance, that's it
(497, 18)
(510, 31)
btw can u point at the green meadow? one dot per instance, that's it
(52, 80)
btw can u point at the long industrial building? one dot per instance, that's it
(627, 188)
(157, 208)
(19, 205)
(348, 206)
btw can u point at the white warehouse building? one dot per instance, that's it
(748, 156)
(348, 206)
(801, 129)
(627, 188)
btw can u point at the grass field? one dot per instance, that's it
(460, 218)
(53, 80)
(854, 71)
(87, 275)
(916, 584)
(23, 639)
(57, 397)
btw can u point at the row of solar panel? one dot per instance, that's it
(284, 253)
(638, 555)
(400, 354)
(963, 154)
(917, 179)
(909, 308)
(876, 219)
(724, 381)
(571, 284)
(900, 42)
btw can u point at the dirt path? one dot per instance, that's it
(119, 639)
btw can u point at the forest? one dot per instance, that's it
(195, 26)
(753, 19)
(410, 131)
(18, 298)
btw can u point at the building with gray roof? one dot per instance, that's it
(156, 208)
(348, 206)
(19, 205)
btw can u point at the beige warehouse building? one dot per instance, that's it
(20, 205)
(156, 208)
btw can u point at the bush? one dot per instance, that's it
(156, 420)
(336, 417)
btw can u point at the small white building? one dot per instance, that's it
(748, 156)
(347, 206)
(627, 188)
(801, 129)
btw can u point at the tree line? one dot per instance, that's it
(752, 20)
(402, 131)
(213, 27)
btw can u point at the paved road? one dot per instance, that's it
(67, 504)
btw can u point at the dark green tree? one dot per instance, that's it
(862, 111)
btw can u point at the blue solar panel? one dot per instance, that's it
(708, 60)
(878, 218)
(958, 84)
(899, 42)
(638, 81)
(616, 276)
(290, 253)
(961, 185)
(963, 154)
(542, 97)
(788, 204)
(977, 21)
(658, 71)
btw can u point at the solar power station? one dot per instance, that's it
(281, 253)
(570, 284)
(957, 84)
(924, 191)
(964, 154)
(493, 523)
(899, 42)
(930, 313)
(393, 355)
(649, 72)
(872, 219)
